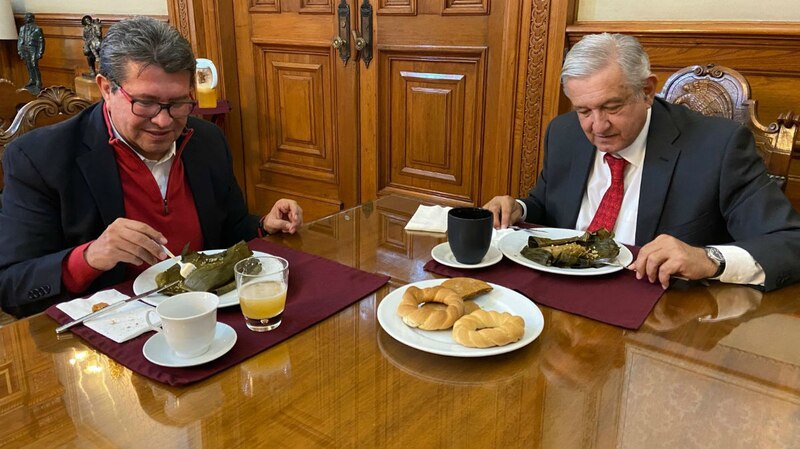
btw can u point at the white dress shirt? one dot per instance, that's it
(740, 267)
(160, 168)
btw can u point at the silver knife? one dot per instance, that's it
(113, 307)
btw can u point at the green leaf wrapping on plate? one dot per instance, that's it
(574, 252)
(213, 271)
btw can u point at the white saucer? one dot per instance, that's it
(157, 351)
(442, 254)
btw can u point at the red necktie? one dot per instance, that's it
(606, 215)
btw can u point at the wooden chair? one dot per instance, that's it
(721, 91)
(52, 105)
(12, 99)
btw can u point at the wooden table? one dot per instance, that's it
(715, 366)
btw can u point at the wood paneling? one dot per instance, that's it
(294, 113)
(466, 7)
(439, 114)
(298, 105)
(403, 7)
(767, 54)
(432, 123)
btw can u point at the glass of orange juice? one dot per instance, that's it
(261, 283)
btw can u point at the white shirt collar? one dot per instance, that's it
(166, 157)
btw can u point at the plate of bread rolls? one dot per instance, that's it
(460, 317)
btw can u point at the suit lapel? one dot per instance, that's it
(198, 177)
(659, 163)
(99, 168)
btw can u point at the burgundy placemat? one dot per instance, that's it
(617, 298)
(318, 288)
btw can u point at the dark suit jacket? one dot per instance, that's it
(703, 183)
(62, 189)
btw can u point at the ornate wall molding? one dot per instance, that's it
(183, 22)
(534, 94)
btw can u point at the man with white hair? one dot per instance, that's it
(691, 189)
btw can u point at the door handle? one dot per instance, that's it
(365, 36)
(340, 40)
(360, 42)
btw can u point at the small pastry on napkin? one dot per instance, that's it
(119, 325)
(429, 219)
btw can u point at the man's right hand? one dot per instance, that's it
(505, 209)
(126, 241)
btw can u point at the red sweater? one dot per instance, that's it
(175, 215)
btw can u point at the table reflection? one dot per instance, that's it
(712, 366)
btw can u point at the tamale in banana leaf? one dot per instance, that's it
(213, 273)
(574, 252)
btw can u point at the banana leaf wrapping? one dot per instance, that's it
(574, 252)
(213, 273)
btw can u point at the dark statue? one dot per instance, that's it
(92, 36)
(30, 47)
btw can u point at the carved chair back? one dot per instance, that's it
(52, 105)
(721, 91)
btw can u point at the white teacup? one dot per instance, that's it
(188, 321)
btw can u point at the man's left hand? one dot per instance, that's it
(667, 256)
(286, 216)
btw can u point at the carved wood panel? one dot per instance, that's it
(265, 5)
(466, 7)
(295, 86)
(534, 111)
(295, 139)
(316, 7)
(298, 105)
(432, 122)
(402, 7)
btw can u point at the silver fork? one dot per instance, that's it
(614, 262)
(528, 230)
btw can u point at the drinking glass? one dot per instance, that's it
(262, 283)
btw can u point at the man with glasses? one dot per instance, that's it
(691, 189)
(88, 202)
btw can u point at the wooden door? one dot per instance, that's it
(299, 106)
(433, 115)
(438, 105)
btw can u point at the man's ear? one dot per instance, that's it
(104, 84)
(650, 88)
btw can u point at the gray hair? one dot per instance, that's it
(596, 51)
(144, 41)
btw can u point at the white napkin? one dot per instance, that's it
(498, 234)
(429, 218)
(119, 325)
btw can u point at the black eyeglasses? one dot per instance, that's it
(150, 109)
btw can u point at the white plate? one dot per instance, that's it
(512, 244)
(147, 281)
(157, 351)
(500, 299)
(442, 254)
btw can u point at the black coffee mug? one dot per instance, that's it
(469, 232)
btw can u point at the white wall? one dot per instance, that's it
(91, 7)
(717, 10)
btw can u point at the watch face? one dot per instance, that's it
(714, 254)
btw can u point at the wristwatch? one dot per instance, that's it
(716, 256)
